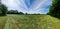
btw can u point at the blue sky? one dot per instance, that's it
(29, 6)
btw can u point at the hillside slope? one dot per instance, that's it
(29, 22)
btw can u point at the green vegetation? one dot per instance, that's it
(55, 9)
(2, 21)
(14, 12)
(3, 9)
(12, 21)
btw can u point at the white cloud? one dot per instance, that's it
(20, 5)
(38, 4)
(37, 7)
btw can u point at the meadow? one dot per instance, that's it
(12, 21)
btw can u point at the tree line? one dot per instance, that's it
(55, 9)
(14, 12)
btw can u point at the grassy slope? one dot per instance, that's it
(2, 21)
(30, 22)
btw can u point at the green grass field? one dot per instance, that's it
(29, 22)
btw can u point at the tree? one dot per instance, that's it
(12, 12)
(3, 9)
(26, 13)
(21, 13)
(55, 9)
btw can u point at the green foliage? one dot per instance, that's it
(14, 12)
(26, 13)
(21, 13)
(55, 9)
(3, 9)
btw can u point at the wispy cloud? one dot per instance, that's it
(41, 7)
(29, 6)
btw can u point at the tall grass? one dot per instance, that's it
(31, 22)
